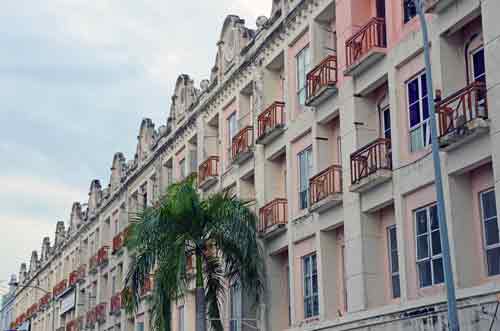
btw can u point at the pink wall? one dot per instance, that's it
(481, 180)
(294, 107)
(387, 218)
(301, 249)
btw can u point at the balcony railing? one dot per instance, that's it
(103, 255)
(371, 158)
(116, 304)
(322, 76)
(73, 278)
(73, 325)
(32, 310)
(59, 288)
(462, 107)
(100, 313)
(271, 118)
(209, 168)
(370, 36)
(44, 301)
(274, 213)
(90, 318)
(81, 273)
(117, 243)
(242, 142)
(327, 182)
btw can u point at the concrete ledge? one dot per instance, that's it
(367, 183)
(208, 182)
(243, 156)
(437, 6)
(270, 135)
(272, 231)
(471, 130)
(324, 93)
(326, 203)
(366, 61)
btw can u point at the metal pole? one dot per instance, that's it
(453, 323)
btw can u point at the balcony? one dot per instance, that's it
(271, 123)
(100, 313)
(103, 256)
(117, 243)
(74, 325)
(44, 301)
(371, 165)
(208, 172)
(73, 278)
(366, 47)
(325, 189)
(437, 6)
(59, 288)
(32, 310)
(116, 304)
(463, 116)
(273, 217)
(241, 147)
(322, 81)
(90, 319)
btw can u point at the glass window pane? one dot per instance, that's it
(314, 264)
(436, 242)
(415, 114)
(423, 77)
(413, 91)
(394, 261)
(493, 260)
(396, 291)
(421, 221)
(416, 141)
(425, 108)
(387, 119)
(393, 238)
(437, 265)
(491, 232)
(478, 63)
(434, 218)
(489, 204)
(424, 273)
(315, 305)
(422, 247)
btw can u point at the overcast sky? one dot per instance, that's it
(76, 78)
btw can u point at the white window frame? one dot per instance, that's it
(474, 52)
(305, 151)
(303, 63)
(308, 283)
(428, 234)
(487, 246)
(424, 141)
(390, 250)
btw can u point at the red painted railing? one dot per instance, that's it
(461, 107)
(117, 242)
(73, 278)
(209, 168)
(368, 37)
(371, 158)
(273, 213)
(272, 117)
(73, 325)
(323, 75)
(116, 303)
(81, 272)
(44, 301)
(326, 183)
(100, 313)
(59, 288)
(242, 141)
(90, 318)
(102, 255)
(32, 310)
(93, 263)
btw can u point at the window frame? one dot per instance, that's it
(431, 257)
(307, 282)
(306, 151)
(487, 246)
(391, 250)
(425, 140)
(384, 129)
(305, 55)
(182, 168)
(406, 17)
(472, 62)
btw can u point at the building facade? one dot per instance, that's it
(7, 305)
(320, 117)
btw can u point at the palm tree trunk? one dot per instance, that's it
(201, 306)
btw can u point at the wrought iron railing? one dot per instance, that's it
(371, 158)
(273, 213)
(323, 75)
(242, 142)
(272, 117)
(325, 183)
(209, 168)
(370, 36)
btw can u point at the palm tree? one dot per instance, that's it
(217, 232)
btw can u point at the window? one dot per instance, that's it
(418, 108)
(232, 127)
(303, 64)
(311, 296)
(429, 257)
(305, 169)
(180, 316)
(182, 168)
(140, 326)
(478, 67)
(385, 121)
(236, 311)
(393, 261)
(410, 11)
(491, 232)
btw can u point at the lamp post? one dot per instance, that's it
(453, 323)
(44, 291)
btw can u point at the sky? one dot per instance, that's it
(76, 78)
